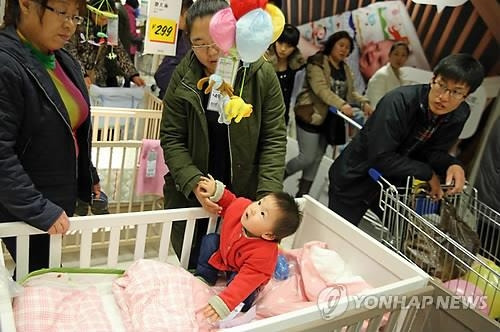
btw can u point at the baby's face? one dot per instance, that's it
(260, 216)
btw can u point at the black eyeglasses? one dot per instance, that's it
(442, 88)
(75, 19)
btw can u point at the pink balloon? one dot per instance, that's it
(222, 28)
(464, 288)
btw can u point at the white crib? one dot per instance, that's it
(387, 272)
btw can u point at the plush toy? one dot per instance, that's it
(215, 82)
(236, 109)
(231, 106)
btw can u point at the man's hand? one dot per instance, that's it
(436, 192)
(455, 175)
(60, 226)
(210, 314)
(347, 110)
(206, 203)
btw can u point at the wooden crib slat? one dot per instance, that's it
(471, 22)
(140, 241)
(166, 230)
(114, 246)
(86, 248)
(56, 250)
(22, 255)
(186, 244)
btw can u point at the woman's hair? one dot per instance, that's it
(462, 68)
(400, 44)
(333, 39)
(290, 35)
(289, 215)
(13, 13)
(202, 8)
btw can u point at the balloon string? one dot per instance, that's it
(243, 81)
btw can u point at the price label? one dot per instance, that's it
(162, 30)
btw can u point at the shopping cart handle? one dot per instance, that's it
(374, 174)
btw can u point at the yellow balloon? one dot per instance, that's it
(278, 20)
(491, 287)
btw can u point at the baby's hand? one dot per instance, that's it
(210, 314)
(207, 185)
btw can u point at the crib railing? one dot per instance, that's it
(119, 124)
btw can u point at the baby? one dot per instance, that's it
(247, 247)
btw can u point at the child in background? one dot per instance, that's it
(287, 60)
(247, 247)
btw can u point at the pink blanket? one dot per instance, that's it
(48, 309)
(156, 297)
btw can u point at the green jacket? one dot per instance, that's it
(257, 143)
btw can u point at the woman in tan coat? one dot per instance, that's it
(329, 82)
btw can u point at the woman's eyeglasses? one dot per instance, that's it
(205, 47)
(75, 19)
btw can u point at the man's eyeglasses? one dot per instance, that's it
(442, 88)
(75, 19)
(205, 47)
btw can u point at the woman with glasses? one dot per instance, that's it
(409, 135)
(45, 122)
(101, 63)
(248, 156)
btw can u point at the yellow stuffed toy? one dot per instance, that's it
(236, 109)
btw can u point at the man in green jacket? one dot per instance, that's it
(248, 156)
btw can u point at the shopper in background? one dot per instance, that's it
(329, 82)
(389, 76)
(287, 60)
(101, 62)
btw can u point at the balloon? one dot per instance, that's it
(241, 7)
(490, 287)
(473, 293)
(222, 28)
(278, 20)
(254, 31)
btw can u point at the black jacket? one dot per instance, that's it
(40, 175)
(388, 143)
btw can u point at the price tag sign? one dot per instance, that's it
(162, 30)
(162, 27)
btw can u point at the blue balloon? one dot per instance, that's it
(281, 271)
(254, 33)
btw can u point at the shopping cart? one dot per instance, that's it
(412, 225)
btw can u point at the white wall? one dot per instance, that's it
(2, 9)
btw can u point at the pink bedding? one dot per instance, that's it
(49, 309)
(154, 296)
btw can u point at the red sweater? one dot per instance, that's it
(253, 258)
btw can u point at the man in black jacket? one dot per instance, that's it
(409, 134)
